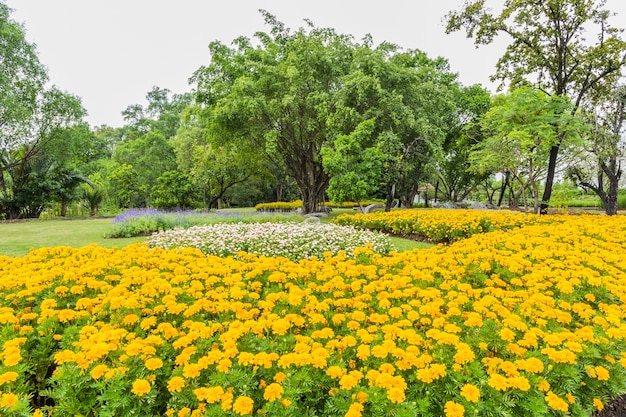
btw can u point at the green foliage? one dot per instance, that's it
(126, 187)
(551, 47)
(173, 189)
(354, 167)
(520, 130)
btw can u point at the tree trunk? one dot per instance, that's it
(503, 189)
(547, 192)
(391, 191)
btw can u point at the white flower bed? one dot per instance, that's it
(291, 240)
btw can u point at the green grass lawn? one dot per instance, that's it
(18, 238)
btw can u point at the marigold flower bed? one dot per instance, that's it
(527, 322)
(440, 225)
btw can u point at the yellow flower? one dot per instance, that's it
(141, 387)
(98, 371)
(8, 377)
(8, 400)
(243, 405)
(280, 377)
(470, 392)
(498, 382)
(154, 363)
(602, 373)
(175, 384)
(273, 392)
(355, 410)
(335, 372)
(453, 409)
(556, 402)
(598, 404)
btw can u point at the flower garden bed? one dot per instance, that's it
(524, 322)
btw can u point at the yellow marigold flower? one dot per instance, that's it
(453, 409)
(431, 373)
(396, 395)
(8, 400)
(8, 377)
(243, 405)
(154, 363)
(598, 404)
(280, 377)
(38, 413)
(355, 410)
(273, 392)
(349, 381)
(498, 382)
(141, 387)
(470, 392)
(543, 386)
(285, 402)
(224, 365)
(175, 384)
(130, 319)
(211, 395)
(184, 412)
(555, 402)
(62, 357)
(507, 334)
(464, 354)
(98, 371)
(361, 396)
(602, 373)
(570, 398)
(519, 382)
(335, 372)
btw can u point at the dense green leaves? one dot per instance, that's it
(551, 47)
(520, 130)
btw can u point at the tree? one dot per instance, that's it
(215, 166)
(173, 190)
(550, 48)
(520, 130)
(453, 178)
(403, 99)
(354, 167)
(276, 97)
(607, 119)
(126, 187)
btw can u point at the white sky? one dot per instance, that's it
(112, 52)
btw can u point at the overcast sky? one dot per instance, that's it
(112, 52)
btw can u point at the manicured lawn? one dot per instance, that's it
(18, 238)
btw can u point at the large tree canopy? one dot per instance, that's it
(277, 97)
(30, 115)
(395, 105)
(564, 47)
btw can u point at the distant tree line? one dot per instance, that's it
(315, 115)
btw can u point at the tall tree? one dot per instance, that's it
(30, 114)
(277, 96)
(520, 130)
(403, 98)
(550, 48)
(607, 119)
(453, 177)
(214, 166)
